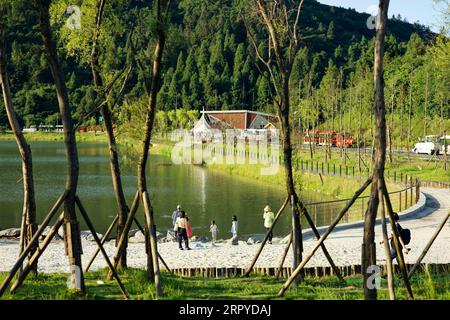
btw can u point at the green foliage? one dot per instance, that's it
(209, 61)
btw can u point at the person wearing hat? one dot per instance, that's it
(175, 215)
(268, 221)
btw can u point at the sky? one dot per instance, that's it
(423, 11)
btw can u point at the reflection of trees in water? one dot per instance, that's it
(199, 176)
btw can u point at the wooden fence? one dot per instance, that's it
(347, 271)
(251, 155)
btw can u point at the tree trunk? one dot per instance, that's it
(409, 117)
(112, 145)
(359, 139)
(425, 123)
(142, 182)
(391, 128)
(29, 225)
(369, 252)
(71, 226)
(283, 67)
(402, 101)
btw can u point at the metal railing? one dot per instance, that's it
(324, 212)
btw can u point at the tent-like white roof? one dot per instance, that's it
(201, 125)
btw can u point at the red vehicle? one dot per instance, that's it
(321, 138)
(311, 137)
(345, 140)
(328, 138)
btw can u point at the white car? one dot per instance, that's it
(444, 141)
(428, 145)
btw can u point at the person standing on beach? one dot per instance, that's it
(234, 229)
(268, 221)
(181, 225)
(175, 215)
(214, 230)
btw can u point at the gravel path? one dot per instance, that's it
(343, 245)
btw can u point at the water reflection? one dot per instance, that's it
(204, 194)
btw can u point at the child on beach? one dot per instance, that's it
(214, 230)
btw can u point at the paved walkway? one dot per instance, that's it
(344, 246)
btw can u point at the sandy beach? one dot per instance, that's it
(344, 246)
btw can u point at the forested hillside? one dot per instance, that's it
(210, 63)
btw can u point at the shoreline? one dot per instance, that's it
(344, 246)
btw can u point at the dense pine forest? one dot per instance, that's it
(211, 63)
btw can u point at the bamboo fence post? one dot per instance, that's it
(37, 254)
(417, 190)
(296, 240)
(323, 237)
(125, 231)
(283, 258)
(153, 243)
(429, 244)
(252, 264)
(102, 249)
(29, 246)
(411, 191)
(138, 225)
(387, 250)
(164, 263)
(317, 234)
(103, 240)
(406, 196)
(395, 236)
(23, 228)
(159, 255)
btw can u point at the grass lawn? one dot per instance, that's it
(56, 136)
(423, 169)
(53, 286)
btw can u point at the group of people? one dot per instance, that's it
(182, 227)
(183, 231)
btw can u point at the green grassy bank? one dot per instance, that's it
(424, 169)
(334, 186)
(53, 286)
(56, 136)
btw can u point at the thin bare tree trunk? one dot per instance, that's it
(283, 67)
(283, 114)
(112, 145)
(390, 276)
(29, 225)
(152, 259)
(409, 117)
(402, 101)
(359, 131)
(369, 251)
(341, 149)
(425, 123)
(391, 128)
(71, 225)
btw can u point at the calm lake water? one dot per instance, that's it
(203, 194)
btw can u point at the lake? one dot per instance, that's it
(204, 194)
